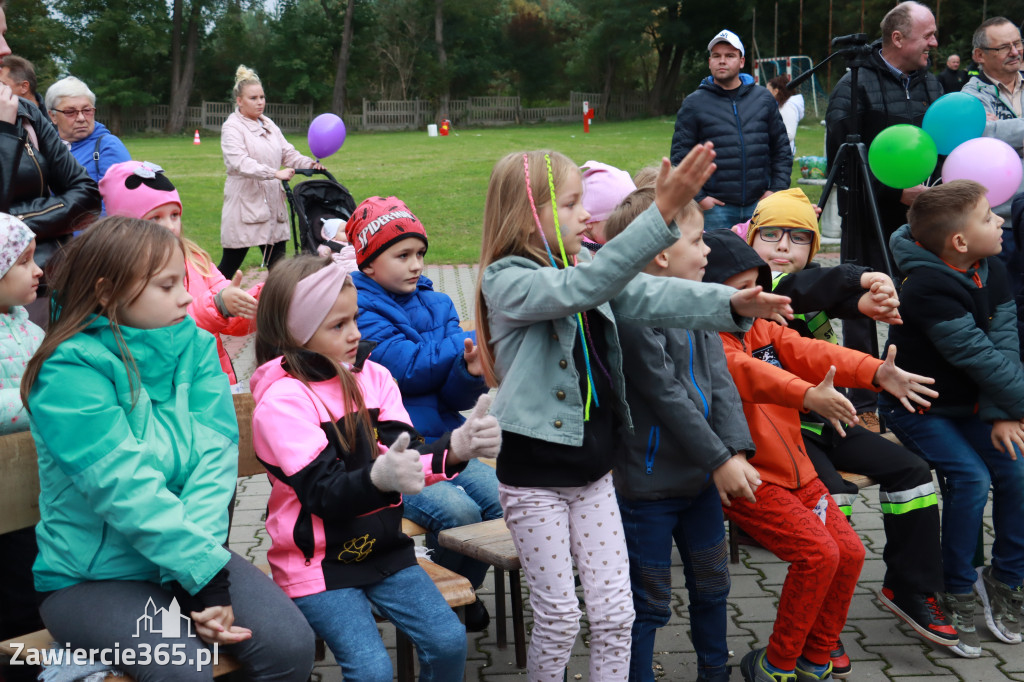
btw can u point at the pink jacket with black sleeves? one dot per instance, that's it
(330, 527)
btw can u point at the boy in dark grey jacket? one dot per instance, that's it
(689, 431)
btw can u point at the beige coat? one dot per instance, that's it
(254, 210)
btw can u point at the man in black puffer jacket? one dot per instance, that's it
(743, 120)
(894, 86)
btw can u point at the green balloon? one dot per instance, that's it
(902, 156)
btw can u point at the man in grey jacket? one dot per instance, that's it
(1000, 86)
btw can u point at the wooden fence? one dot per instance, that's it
(381, 114)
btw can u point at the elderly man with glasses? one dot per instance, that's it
(72, 107)
(1000, 86)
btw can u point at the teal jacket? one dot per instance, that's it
(531, 312)
(133, 493)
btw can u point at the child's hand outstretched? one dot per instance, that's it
(472, 355)
(830, 403)
(399, 469)
(736, 478)
(480, 436)
(238, 301)
(1006, 433)
(676, 187)
(755, 302)
(880, 302)
(904, 385)
(214, 625)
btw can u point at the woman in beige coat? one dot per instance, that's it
(254, 149)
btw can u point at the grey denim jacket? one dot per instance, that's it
(531, 312)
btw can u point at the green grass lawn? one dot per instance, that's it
(442, 179)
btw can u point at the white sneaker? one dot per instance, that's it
(1002, 606)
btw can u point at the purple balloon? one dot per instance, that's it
(988, 161)
(326, 135)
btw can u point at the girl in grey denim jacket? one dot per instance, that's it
(547, 336)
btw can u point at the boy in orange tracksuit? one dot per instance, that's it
(780, 374)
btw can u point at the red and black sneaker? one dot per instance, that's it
(923, 613)
(841, 666)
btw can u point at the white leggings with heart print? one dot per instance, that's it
(551, 527)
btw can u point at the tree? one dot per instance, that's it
(120, 49)
(183, 66)
(342, 58)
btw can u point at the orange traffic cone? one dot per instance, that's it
(195, 140)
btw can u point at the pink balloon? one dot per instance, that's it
(988, 161)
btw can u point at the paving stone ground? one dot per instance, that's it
(880, 646)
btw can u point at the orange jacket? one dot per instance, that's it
(773, 366)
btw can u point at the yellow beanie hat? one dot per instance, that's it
(788, 208)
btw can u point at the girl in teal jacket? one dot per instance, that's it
(138, 448)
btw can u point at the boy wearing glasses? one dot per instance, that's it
(784, 233)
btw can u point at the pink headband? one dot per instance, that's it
(312, 300)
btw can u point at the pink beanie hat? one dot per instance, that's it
(604, 187)
(134, 188)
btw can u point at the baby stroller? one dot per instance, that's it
(313, 202)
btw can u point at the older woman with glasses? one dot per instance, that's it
(72, 107)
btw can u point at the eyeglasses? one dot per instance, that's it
(797, 235)
(1004, 50)
(72, 114)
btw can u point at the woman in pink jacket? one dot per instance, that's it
(254, 151)
(139, 189)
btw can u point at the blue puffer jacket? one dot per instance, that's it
(421, 343)
(753, 148)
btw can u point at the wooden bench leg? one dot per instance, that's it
(734, 544)
(518, 624)
(499, 607)
(404, 653)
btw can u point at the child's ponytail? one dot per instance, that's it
(509, 224)
(275, 340)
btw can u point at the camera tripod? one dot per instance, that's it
(850, 167)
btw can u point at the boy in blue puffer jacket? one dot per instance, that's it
(434, 361)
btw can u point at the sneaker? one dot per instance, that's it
(869, 420)
(841, 666)
(477, 618)
(811, 672)
(752, 667)
(921, 612)
(1002, 606)
(960, 609)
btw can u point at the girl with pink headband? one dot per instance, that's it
(546, 316)
(330, 427)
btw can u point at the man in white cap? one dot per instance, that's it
(743, 120)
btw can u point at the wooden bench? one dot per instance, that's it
(19, 508)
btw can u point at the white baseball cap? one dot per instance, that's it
(727, 36)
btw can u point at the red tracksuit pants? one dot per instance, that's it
(825, 558)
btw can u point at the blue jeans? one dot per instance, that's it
(697, 526)
(962, 453)
(470, 497)
(344, 619)
(724, 217)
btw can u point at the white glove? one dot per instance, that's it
(480, 436)
(398, 469)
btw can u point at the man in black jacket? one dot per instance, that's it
(952, 78)
(743, 120)
(894, 86)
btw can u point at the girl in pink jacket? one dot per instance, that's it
(139, 189)
(330, 427)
